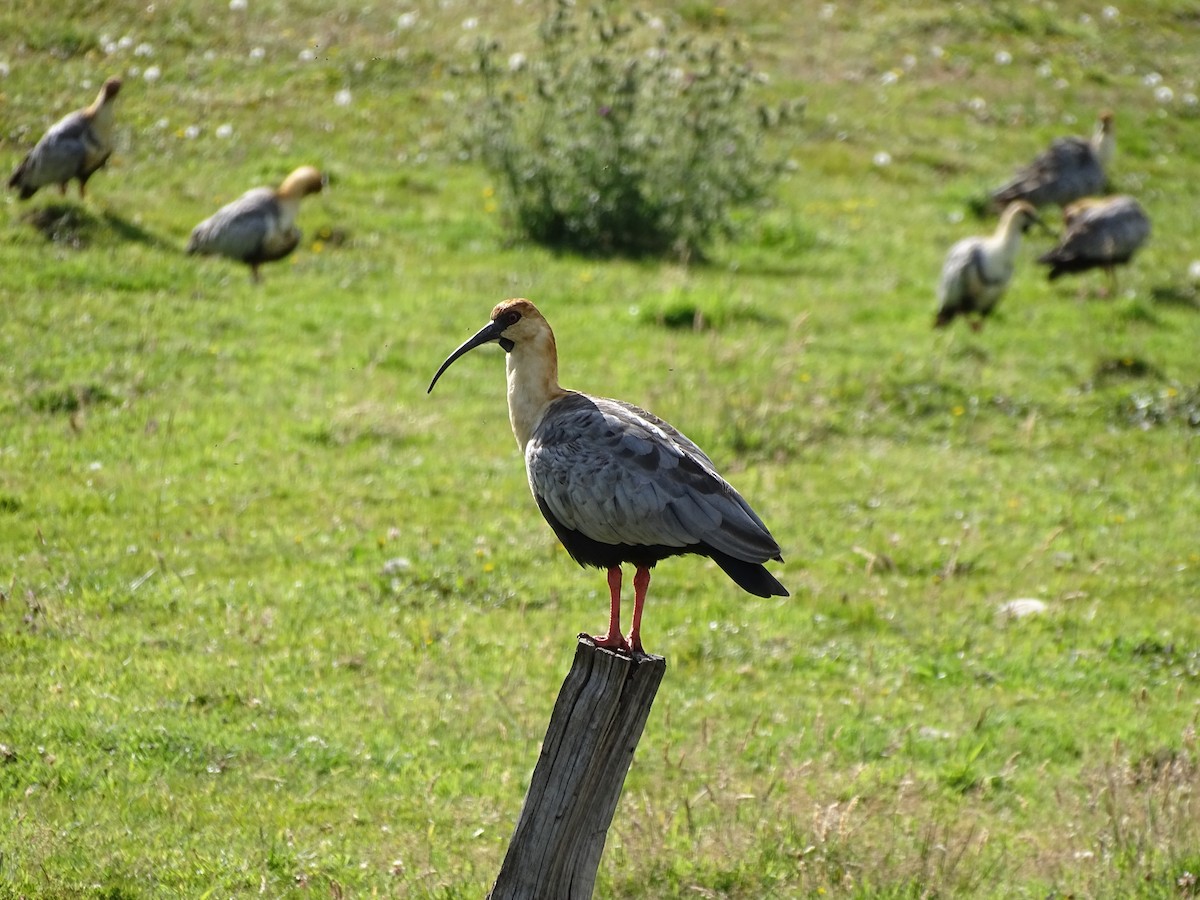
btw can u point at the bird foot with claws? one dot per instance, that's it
(617, 643)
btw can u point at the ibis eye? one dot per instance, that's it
(509, 319)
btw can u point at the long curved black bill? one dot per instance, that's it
(488, 333)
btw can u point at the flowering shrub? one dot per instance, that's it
(622, 136)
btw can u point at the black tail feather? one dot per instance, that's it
(751, 577)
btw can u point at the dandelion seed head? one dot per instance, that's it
(977, 104)
(1085, 19)
(882, 158)
(1151, 79)
(191, 132)
(1163, 94)
(152, 74)
(406, 20)
(224, 131)
(342, 97)
(237, 5)
(143, 49)
(308, 54)
(257, 53)
(1110, 13)
(1045, 70)
(1194, 270)
(1189, 99)
(909, 62)
(889, 77)
(470, 24)
(937, 51)
(4, 69)
(516, 62)
(1003, 58)
(125, 42)
(827, 11)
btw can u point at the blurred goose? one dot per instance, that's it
(1101, 232)
(618, 484)
(73, 148)
(1069, 169)
(977, 270)
(259, 226)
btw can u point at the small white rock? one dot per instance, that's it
(1022, 607)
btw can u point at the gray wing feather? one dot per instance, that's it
(1110, 231)
(239, 228)
(620, 475)
(59, 156)
(1066, 171)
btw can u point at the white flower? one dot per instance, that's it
(143, 49)
(889, 77)
(308, 54)
(237, 5)
(406, 20)
(516, 62)
(152, 74)
(125, 42)
(224, 131)
(257, 53)
(1110, 13)
(4, 69)
(1003, 57)
(1194, 270)
(1151, 79)
(977, 104)
(342, 97)
(470, 24)
(1045, 70)
(827, 11)
(1188, 99)
(882, 158)
(163, 124)
(936, 51)
(1163, 94)
(191, 132)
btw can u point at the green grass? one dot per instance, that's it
(273, 621)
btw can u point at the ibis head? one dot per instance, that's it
(512, 321)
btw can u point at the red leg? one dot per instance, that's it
(641, 582)
(613, 638)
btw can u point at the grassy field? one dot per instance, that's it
(275, 622)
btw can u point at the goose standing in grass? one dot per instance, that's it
(1069, 169)
(259, 226)
(617, 484)
(73, 148)
(977, 270)
(1101, 233)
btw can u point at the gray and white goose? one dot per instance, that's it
(73, 148)
(977, 270)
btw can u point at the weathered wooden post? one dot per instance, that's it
(594, 729)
